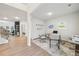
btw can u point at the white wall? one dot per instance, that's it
(71, 22)
(34, 32)
(23, 27)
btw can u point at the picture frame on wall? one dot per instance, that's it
(50, 26)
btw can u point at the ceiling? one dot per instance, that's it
(31, 6)
(37, 10)
(57, 9)
(10, 13)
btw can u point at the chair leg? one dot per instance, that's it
(58, 44)
(50, 43)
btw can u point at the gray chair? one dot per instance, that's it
(42, 38)
(55, 38)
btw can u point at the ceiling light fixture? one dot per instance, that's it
(5, 18)
(49, 13)
(16, 17)
(69, 5)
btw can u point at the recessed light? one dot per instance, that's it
(69, 5)
(49, 13)
(16, 17)
(5, 18)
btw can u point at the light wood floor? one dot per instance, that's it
(18, 47)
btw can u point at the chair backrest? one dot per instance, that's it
(54, 36)
(42, 36)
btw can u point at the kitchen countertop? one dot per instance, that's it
(69, 40)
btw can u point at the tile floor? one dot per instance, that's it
(54, 51)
